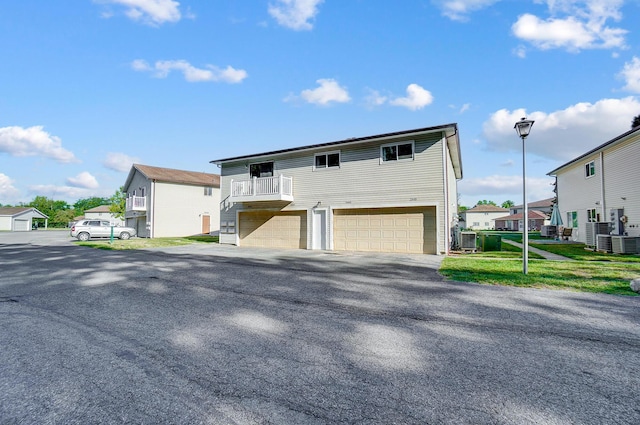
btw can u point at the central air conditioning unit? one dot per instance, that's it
(468, 241)
(549, 231)
(594, 229)
(603, 243)
(617, 226)
(625, 244)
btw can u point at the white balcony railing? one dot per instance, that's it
(278, 188)
(136, 203)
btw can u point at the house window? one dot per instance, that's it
(572, 219)
(327, 160)
(396, 151)
(593, 216)
(261, 169)
(143, 191)
(208, 191)
(476, 223)
(590, 169)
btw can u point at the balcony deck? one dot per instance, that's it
(136, 203)
(277, 188)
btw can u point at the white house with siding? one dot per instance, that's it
(602, 186)
(482, 217)
(393, 192)
(20, 219)
(164, 202)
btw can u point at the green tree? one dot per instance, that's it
(462, 208)
(82, 205)
(508, 204)
(485, 202)
(118, 203)
(636, 121)
(63, 216)
(50, 207)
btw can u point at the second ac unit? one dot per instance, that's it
(603, 243)
(468, 240)
(625, 244)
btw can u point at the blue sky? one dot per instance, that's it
(89, 87)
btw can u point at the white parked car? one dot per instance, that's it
(92, 228)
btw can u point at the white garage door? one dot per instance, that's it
(272, 229)
(404, 230)
(21, 225)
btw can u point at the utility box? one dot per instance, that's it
(490, 242)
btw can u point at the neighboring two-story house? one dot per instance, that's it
(482, 217)
(537, 216)
(163, 202)
(392, 192)
(102, 212)
(602, 186)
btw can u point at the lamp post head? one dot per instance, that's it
(523, 127)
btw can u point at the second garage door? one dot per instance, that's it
(273, 229)
(405, 230)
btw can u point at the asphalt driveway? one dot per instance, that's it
(224, 335)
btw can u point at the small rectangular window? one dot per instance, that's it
(208, 191)
(590, 169)
(327, 160)
(262, 169)
(396, 151)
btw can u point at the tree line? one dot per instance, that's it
(61, 213)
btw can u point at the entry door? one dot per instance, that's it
(206, 224)
(319, 229)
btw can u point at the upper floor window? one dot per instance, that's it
(327, 160)
(396, 151)
(261, 169)
(590, 169)
(208, 191)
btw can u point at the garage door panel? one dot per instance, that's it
(410, 230)
(273, 229)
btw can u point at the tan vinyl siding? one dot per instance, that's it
(179, 209)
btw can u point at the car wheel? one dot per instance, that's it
(84, 236)
(124, 236)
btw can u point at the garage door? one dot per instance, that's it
(407, 230)
(273, 229)
(21, 225)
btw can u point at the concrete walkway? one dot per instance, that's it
(547, 255)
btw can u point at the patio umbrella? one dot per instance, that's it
(556, 219)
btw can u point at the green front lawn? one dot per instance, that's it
(578, 252)
(584, 276)
(141, 243)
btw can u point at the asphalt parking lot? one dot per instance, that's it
(224, 335)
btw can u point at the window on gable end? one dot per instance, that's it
(590, 169)
(397, 152)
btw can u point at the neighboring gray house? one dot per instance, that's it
(602, 186)
(20, 219)
(392, 192)
(544, 206)
(163, 202)
(102, 212)
(482, 217)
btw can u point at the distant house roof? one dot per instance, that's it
(170, 175)
(538, 204)
(99, 209)
(450, 130)
(532, 215)
(615, 140)
(487, 208)
(14, 211)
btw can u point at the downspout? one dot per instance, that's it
(445, 169)
(602, 198)
(153, 209)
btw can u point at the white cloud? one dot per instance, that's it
(191, 73)
(458, 10)
(374, 98)
(60, 192)
(465, 108)
(631, 75)
(33, 141)
(7, 190)
(119, 161)
(573, 25)
(565, 134)
(328, 92)
(84, 180)
(417, 98)
(151, 12)
(295, 14)
(499, 188)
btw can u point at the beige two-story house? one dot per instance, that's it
(393, 192)
(164, 202)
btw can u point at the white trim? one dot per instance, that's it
(384, 205)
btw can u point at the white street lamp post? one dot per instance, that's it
(523, 127)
